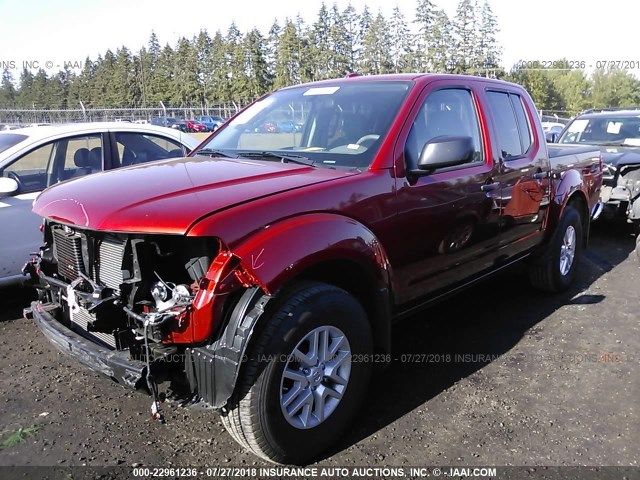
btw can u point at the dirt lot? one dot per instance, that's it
(546, 380)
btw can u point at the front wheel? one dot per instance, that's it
(556, 270)
(305, 377)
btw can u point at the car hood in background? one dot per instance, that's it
(619, 156)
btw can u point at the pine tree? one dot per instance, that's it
(256, 65)
(271, 50)
(7, 90)
(185, 87)
(25, 93)
(303, 51)
(162, 77)
(220, 88)
(425, 19)
(488, 49)
(154, 47)
(101, 91)
(288, 66)
(441, 53)
(203, 45)
(124, 89)
(401, 51)
(376, 53)
(351, 36)
(340, 61)
(321, 53)
(235, 63)
(466, 40)
(40, 87)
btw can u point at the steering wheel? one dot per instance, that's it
(368, 140)
(15, 176)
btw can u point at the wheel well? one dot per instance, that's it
(578, 202)
(360, 282)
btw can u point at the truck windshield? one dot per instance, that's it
(333, 125)
(604, 130)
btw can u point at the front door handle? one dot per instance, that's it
(490, 187)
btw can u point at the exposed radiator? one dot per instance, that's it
(80, 319)
(68, 251)
(109, 265)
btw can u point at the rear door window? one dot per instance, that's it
(509, 137)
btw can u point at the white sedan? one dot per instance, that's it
(34, 158)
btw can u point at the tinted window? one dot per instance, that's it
(523, 125)
(449, 112)
(136, 148)
(506, 124)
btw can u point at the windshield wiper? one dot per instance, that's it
(215, 153)
(299, 159)
(615, 143)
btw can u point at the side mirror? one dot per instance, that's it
(552, 137)
(444, 151)
(8, 186)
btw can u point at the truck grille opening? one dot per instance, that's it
(68, 251)
(109, 264)
(81, 318)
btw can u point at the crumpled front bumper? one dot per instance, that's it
(114, 364)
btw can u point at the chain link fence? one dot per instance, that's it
(138, 115)
(550, 116)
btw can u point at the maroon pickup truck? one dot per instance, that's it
(261, 276)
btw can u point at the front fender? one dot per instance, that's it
(281, 251)
(273, 256)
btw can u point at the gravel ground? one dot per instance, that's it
(546, 380)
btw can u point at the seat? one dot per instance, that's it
(81, 162)
(175, 153)
(128, 157)
(95, 159)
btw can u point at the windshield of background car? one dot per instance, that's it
(8, 140)
(339, 125)
(607, 130)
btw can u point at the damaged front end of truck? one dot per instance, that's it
(143, 309)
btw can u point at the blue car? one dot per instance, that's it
(212, 122)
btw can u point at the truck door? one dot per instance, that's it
(523, 172)
(447, 217)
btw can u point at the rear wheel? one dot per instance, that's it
(556, 269)
(305, 377)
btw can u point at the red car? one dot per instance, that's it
(189, 126)
(265, 275)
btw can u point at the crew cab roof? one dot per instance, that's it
(412, 77)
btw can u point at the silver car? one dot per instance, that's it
(34, 158)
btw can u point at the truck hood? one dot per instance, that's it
(170, 196)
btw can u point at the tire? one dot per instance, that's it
(638, 246)
(556, 269)
(256, 418)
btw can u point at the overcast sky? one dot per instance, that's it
(54, 31)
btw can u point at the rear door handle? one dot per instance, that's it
(490, 187)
